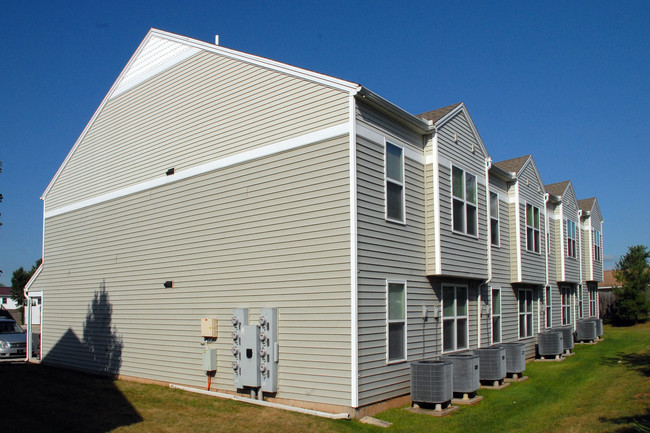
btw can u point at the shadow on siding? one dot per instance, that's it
(100, 350)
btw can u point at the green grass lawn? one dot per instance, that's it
(603, 388)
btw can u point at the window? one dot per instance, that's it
(566, 306)
(525, 313)
(454, 318)
(570, 238)
(465, 218)
(396, 321)
(598, 255)
(532, 228)
(593, 303)
(496, 315)
(494, 218)
(394, 183)
(549, 304)
(4, 300)
(580, 301)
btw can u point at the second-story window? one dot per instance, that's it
(532, 228)
(598, 255)
(494, 218)
(465, 215)
(570, 238)
(394, 183)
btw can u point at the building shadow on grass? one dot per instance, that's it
(639, 362)
(630, 424)
(83, 395)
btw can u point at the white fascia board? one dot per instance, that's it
(351, 88)
(238, 158)
(530, 161)
(452, 113)
(33, 278)
(354, 283)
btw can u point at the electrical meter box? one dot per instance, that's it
(209, 359)
(209, 327)
(269, 355)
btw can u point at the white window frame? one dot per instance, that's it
(495, 241)
(390, 321)
(455, 318)
(464, 202)
(571, 241)
(536, 245)
(598, 251)
(565, 293)
(528, 315)
(548, 301)
(396, 182)
(496, 316)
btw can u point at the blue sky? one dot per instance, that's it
(568, 82)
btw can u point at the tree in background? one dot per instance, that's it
(19, 280)
(633, 272)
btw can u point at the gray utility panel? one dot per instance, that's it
(255, 350)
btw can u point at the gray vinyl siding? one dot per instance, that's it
(556, 308)
(501, 254)
(531, 191)
(369, 117)
(586, 249)
(570, 211)
(461, 255)
(597, 224)
(202, 109)
(264, 233)
(388, 250)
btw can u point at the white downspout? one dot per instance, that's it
(488, 242)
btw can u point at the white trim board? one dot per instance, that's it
(376, 137)
(271, 149)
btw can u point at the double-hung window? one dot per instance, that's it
(566, 305)
(580, 312)
(570, 238)
(532, 228)
(454, 318)
(549, 305)
(496, 315)
(592, 301)
(396, 320)
(394, 183)
(525, 313)
(494, 219)
(598, 255)
(465, 214)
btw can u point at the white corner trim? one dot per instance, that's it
(250, 155)
(518, 230)
(436, 206)
(354, 288)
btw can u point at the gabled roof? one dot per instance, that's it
(587, 204)
(435, 115)
(513, 165)
(557, 189)
(609, 280)
(5, 291)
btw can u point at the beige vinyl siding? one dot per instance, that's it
(202, 109)
(430, 215)
(586, 249)
(388, 250)
(570, 211)
(265, 233)
(501, 254)
(515, 242)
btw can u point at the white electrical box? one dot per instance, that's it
(209, 327)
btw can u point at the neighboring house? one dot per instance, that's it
(210, 181)
(5, 298)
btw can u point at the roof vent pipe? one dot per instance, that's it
(216, 39)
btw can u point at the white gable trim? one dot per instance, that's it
(271, 149)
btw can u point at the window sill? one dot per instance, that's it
(465, 234)
(393, 221)
(396, 361)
